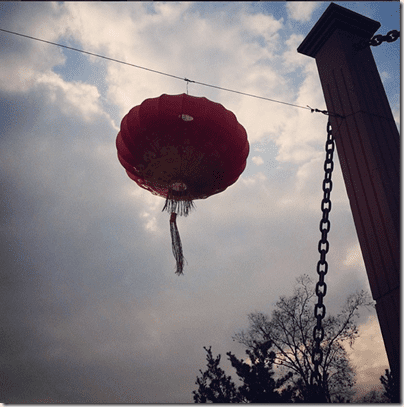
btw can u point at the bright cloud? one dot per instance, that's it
(301, 10)
(292, 59)
(354, 257)
(368, 355)
(77, 98)
(257, 160)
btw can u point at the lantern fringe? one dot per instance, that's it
(178, 202)
(176, 244)
(181, 208)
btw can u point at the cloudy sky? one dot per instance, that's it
(92, 309)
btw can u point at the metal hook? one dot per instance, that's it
(187, 81)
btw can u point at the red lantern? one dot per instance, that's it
(182, 148)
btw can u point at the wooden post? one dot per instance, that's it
(368, 147)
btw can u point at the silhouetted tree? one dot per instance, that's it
(286, 340)
(255, 373)
(373, 396)
(391, 387)
(214, 385)
(290, 330)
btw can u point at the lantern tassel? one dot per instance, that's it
(176, 244)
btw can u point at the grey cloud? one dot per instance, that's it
(92, 310)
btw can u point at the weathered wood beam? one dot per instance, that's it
(368, 146)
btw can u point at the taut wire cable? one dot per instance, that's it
(164, 73)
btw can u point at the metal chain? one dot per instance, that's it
(322, 265)
(391, 36)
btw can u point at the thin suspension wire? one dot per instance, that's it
(91, 53)
(250, 95)
(162, 73)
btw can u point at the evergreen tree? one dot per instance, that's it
(255, 373)
(259, 385)
(391, 387)
(214, 385)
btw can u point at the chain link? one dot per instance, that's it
(391, 36)
(322, 265)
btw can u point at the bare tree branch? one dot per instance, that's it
(290, 329)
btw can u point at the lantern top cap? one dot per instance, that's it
(336, 17)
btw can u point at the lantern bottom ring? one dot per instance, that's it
(178, 186)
